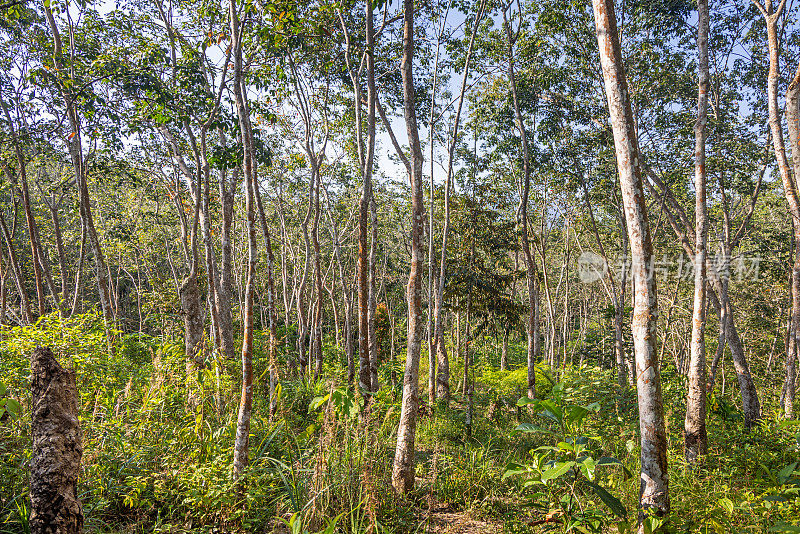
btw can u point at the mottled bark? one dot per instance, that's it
(242, 442)
(654, 487)
(788, 174)
(403, 466)
(793, 121)
(695, 435)
(57, 447)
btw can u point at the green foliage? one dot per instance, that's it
(564, 474)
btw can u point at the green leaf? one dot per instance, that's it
(513, 469)
(3, 390)
(557, 471)
(525, 401)
(331, 528)
(13, 407)
(727, 504)
(783, 527)
(576, 414)
(552, 411)
(612, 502)
(587, 466)
(787, 423)
(786, 472)
(316, 402)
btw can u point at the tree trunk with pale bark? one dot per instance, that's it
(403, 466)
(654, 488)
(695, 435)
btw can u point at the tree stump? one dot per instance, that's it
(57, 447)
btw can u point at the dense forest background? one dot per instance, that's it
(402, 267)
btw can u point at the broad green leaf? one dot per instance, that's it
(786, 472)
(316, 402)
(612, 502)
(587, 466)
(513, 469)
(726, 504)
(552, 411)
(558, 470)
(13, 407)
(576, 414)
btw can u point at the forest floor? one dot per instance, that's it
(153, 465)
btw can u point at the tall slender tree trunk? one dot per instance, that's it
(372, 300)
(793, 120)
(241, 445)
(271, 301)
(695, 436)
(522, 218)
(751, 406)
(62, 257)
(224, 312)
(788, 174)
(316, 329)
(38, 260)
(403, 466)
(654, 489)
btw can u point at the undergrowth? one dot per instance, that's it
(323, 462)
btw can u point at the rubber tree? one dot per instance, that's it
(695, 436)
(403, 465)
(654, 487)
(788, 177)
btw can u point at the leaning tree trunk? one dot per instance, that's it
(787, 178)
(654, 489)
(442, 361)
(751, 406)
(57, 447)
(403, 466)
(695, 436)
